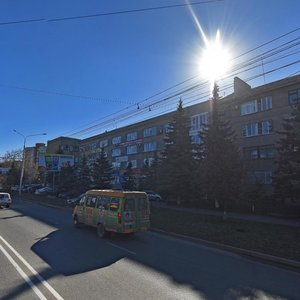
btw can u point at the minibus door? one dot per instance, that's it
(129, 214)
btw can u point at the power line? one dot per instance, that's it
(129, 115)
(129, 11)
(65, 94)
(22, 21)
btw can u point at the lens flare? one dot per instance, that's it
(215, 60)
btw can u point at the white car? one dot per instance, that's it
(153, 196)
(5, 199)
(43, 191)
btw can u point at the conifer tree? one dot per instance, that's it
(129, 178)
(222, 167)
(83, 176)
(177, 159)
(12, 177)
(287, 177)
(102, 172)
(67, 182)
(150, 174)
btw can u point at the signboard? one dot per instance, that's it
(54, 162)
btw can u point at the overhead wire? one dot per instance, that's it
(183, 91)
(128, 11)
(197, 76)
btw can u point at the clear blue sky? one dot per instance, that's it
(119, 60)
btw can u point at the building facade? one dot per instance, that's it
(256, 115)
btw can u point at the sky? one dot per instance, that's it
(78, 77)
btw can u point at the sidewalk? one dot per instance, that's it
(241, 216)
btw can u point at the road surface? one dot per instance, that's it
(43, 257)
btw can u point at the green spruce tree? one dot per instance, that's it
(287, 176)
(83, 176)
(150, 174)
(177, 159)
(67, 183)
(220, 159)
(102, 172)
(129, 178)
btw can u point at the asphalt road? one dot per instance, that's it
(43, 257)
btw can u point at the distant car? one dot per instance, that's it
(153, 196)
(74, 201)
(5, 199)
(43, 191)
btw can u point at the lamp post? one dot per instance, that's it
(23, 155)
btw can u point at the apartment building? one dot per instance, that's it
(256, 115)
(31, 161)
(64, 145)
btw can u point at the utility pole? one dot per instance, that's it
(23, 155)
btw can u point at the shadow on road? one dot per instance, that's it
(71, 251)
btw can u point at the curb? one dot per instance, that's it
(295, 265)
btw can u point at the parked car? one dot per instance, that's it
(43, 191)
(33, 187)
(153, 196)
(5, 199)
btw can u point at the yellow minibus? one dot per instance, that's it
(113, 211)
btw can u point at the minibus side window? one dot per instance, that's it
(103, 202)
(82, 200)
(114, 204)
(91, 201)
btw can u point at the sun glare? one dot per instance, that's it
(215, 60)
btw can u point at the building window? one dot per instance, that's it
(250, 153)
(258, 128)
(198, 121)
(196, 139)
(133, 164)
(116, 152)
(262, 177)
(294, 97)
(103, 143)
(267, 151)
(116, 140)
(149, 161)
(132, 149)
(150, 146)
(265, 103)
(131, 136)
(254, 106)
(150, 131)
(260, 152)
(167, 128)
(249, 108)
(116, 165)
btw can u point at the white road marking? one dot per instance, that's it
(124, 249)
(22, 273)
(37, 275)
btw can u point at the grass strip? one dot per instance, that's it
(277, 240)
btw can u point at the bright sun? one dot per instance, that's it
(215, 60)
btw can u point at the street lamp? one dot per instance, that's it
(23, 155)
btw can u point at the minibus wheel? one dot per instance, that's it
(102, 233)
(75, 222)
